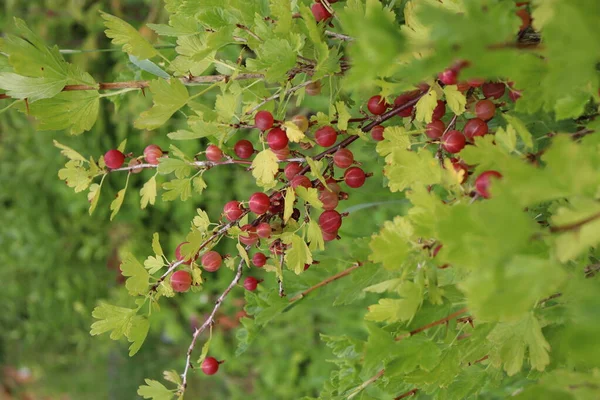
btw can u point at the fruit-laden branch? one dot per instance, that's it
(206, 164)
(209, 321)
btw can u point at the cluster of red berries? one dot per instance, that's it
(115, 159)
(320, 12)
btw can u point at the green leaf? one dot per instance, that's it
(154, 264)
(573, 242)
(122, 33)
(148, 193)
(415, 352)
(156, 248)
(69, 152)
(509, 340)
(281, 11)
(455, 99)
(168, 96)
(181, 188)
(32, 89)
(298, 254)
(396, 137)
(181, 168)
(138, 278)
(425, 106)
(396, 310)
(521, 129)
(155, 390)
(275, 57)
(94, 196)
(264, 168)
(310, 195)
(391, 246)
(75, 175)
(199, 184)
(315, 169)
(243, 253)
(409, 168)
(76, 111)
(293, 132)
(137, 332)
(343, 115)
(201, 221)
(507, 138)
(290, 199)
(116, 204)
(112, 318)
(314, 236)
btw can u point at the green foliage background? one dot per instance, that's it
(54, 256)
(519, 260)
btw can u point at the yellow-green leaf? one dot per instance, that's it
(122, 33)
(264, 168)
(156, 248)
(425, 107)
(293, 132)
(148, 193)
(290, 199)
(298, 254)
(455, 99)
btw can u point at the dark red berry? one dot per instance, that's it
(514, 95)
(263, 120)
(263, 230)
(483, 182)
(325, 136)
(453, 141)
(259, 260)
(448, 77)
(210, 366)
(180, 256)
(475, 127)
(354, 177)
(463, 86)
(213, 153)
(377, 133)
(485, 109)
(250, 283)
(343, 158)
(329, 199)
(243, 149)
(181, 281)
(251, 238)
(331, 185)
(211, 261)
(291, 170)
(259, 203)
(320, 12)
(114, 159)
(277, 139)
(152, 153)
(329, 236)
(525, 18)
(282, 154)
(475, 82)
(301, 180)
(313, 88)
(439, 111)
(436, 250)
(402, 100)
(330, 221)
(233, 210)
(377, 105)
(494, 90)
(435, 129)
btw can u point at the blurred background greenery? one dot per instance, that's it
(57, 262)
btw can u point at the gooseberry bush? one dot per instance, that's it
(485, 114)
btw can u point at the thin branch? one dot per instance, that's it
(187, 80)
(210, 320)
(407, 394)
(339, 36)
(279, 280)
(432, 324)
(326, 282)
(574, 225)
(366, 383)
